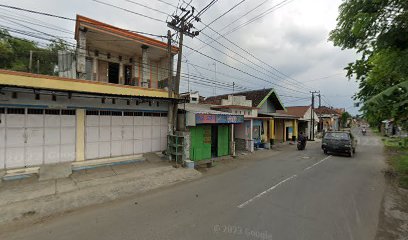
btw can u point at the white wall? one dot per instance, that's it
(78, 102)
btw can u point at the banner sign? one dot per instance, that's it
(210, 118)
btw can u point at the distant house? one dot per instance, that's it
(274, 126)
(304, 113)
(191, 97)
(329, 118)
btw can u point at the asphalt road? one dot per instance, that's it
(291, 195)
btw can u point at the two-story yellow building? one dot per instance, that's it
(109, 101)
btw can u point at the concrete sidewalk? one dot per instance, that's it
(30, 199)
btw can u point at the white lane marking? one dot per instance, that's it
(266, 191)
(279, 183)
(313, 165)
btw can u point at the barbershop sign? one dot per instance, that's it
(211, 118)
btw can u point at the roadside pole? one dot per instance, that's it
(183, 25)
(312, 119)
(170, 86)
(178, 73)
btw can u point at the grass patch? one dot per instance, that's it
(400, 164)
(396, 143)
(397, 150)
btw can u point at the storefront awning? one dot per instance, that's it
(203, 114)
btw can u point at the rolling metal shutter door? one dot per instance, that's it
(34, 137)
(138, 134)
(98, 134)
(15, 139)
(59, 136)
(111, 134)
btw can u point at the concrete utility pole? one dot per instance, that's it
(170, 129)
(312, 120)
(183, 25)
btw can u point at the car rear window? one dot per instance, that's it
(337, 136)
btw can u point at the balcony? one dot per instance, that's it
(105, 60)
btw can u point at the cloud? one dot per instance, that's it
(292, 39)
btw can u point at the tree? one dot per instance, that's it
(344, 119)
(378, 31)
(15, 53)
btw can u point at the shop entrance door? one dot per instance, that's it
(214, 141)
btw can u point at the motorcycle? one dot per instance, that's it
(301, 145)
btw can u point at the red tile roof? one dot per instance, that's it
(298, 111)
(121, 32)
(325, 110)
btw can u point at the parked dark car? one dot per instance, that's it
(339, 142)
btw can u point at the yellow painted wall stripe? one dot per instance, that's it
(64, 84)
(272, 128)
(80, 135)
(295, 128)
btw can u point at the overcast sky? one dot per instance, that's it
(291, 39)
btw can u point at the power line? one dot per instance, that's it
(36, 12)
(255, 57)
(270, 82)
(71, 19)
(129, 11)
(225, 13)
(44, 25)
(241, 17)
(142, 5)
(237, 69)
(167, 3)
(266, 12)
(206, 8)
(273, 73)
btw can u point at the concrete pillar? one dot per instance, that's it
(295, 128)
(121, 74)
(251, 137)
(95, 69)
(80, 135)
(145, 67)
(81, 54)
(232, 143)
(272, 128)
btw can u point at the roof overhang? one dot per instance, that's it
(279, 116)
(232, 106)
(104, 36)
(36, 81)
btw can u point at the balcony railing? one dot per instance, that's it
(64, 64)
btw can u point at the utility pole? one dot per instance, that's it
(320, 100)
(38, 66)
(183, 25)
(30, 63)
(312, 120)
(170, 83)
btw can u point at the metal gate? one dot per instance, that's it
(122, 133)
(33, 136)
